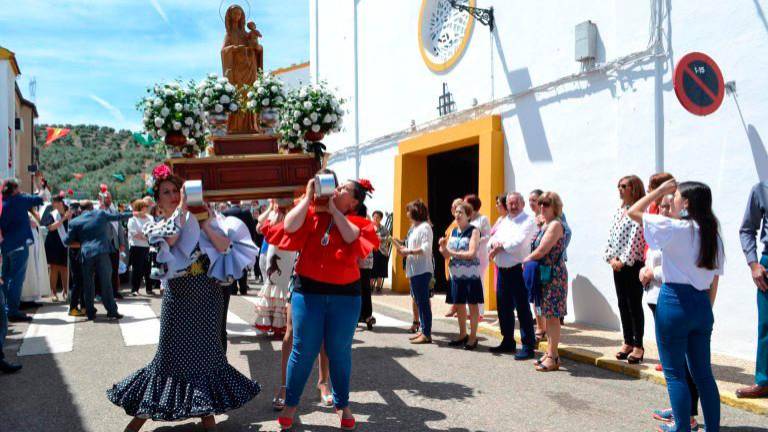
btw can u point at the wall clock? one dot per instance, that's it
(444, 33)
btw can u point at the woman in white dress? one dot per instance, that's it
(36, 283)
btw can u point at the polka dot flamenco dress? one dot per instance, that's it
(189, 375)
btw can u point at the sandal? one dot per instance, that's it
(414, 327)
(541, 336)
(325, 399)
(370, 322)
(622, 354)
(278, 403)
(542, 358)
(631, 359)
(544, 368)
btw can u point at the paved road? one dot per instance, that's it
(397, 386)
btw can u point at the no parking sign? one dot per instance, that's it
(699, 84)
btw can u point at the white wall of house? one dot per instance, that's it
(577, 138)
(7, 117)
(294, 78)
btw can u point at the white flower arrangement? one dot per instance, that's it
(173, 108)
(312, 108)
(265, 93)
(217, 95)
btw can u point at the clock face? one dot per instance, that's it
(443, 32)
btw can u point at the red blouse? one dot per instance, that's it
(335, 263)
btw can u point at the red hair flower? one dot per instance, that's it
(70, 192)
(366, 185)
(103, 188)
(161, 172)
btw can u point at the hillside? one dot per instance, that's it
(97, 152)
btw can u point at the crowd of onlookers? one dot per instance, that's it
(663, 245)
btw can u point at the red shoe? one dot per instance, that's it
(348, 424)
(659, 368)
(286, 423)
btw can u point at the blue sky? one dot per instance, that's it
(93, 59)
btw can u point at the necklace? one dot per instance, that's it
(327, 236)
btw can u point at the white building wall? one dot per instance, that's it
(296, 77)
(7, 117)
(579, 138)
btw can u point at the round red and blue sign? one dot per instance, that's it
(699, 84)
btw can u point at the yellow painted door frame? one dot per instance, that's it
(411, 180)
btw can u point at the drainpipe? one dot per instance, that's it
(659, 90)
(356, 97)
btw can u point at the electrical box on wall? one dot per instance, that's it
(586, 42)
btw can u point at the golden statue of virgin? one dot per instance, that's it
(242, 58)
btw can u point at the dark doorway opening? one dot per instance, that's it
(451, 175)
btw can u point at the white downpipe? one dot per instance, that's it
(356, 97)
(658, 95)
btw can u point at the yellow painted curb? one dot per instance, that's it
(585, 356)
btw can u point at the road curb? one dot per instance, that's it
(582, 355)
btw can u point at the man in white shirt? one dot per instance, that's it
(509, 246)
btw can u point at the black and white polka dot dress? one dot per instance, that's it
(189, 376)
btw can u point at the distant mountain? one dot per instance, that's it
(98, 153)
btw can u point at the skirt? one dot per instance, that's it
(380, 265)
(466, 291)
(189, 375)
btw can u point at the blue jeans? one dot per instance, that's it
(316, 319)
(14, 271)
(420, 293)
(101, 267)
(684, 322)
(3, 324)
(511, 295)
(761, 365)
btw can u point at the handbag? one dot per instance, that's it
(545, 274)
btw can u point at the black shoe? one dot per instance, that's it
(20, 318)
(503, 349)
(150, 293)
(468, 347)
(119, 296)
(525, 354)
(115, 316)
(9, 368)
(459, 342)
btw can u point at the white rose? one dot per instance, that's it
(223, 80)
(308, 105)
(209, 92)
(185, 131)
(334, 117)
(176, 125)
(278, 100)
(229, 87)
(250, 95)
(260, 90)
(193, 141)
(164, 112)
(188, 121)
(314, 117)
(274, 89)
(158, 102)
(315, 128)
(218, 108)
(251, 104)
(296, 126)
(161, 133)
(206, 101)
(265, 102)
(233, 107)
(297, 113)
(168, 92)
(178, 106)
(159, 121)
(224, 99)
(327, 118)
(218, 87)
(303, 92)
(307, 122)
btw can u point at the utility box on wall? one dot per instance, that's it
(586, 42)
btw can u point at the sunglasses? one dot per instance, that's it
(623, 186)
(545, 203)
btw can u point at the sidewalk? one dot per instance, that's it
(597, 347)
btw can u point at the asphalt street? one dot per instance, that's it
(396, 386)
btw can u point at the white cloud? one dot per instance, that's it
(109, 107)
(159, 9)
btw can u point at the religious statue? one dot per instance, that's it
(242, 58)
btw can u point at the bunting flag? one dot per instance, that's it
(78, 176)
(54, 133)
(144, 139)
(119, 177)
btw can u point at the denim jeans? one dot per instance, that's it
(420, 293)
(14, 271)
(316, 319)
(761, 365)
(101, 267)
(511, 296)
(3, 324)
(684, 323)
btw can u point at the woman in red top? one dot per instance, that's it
(325, 303)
